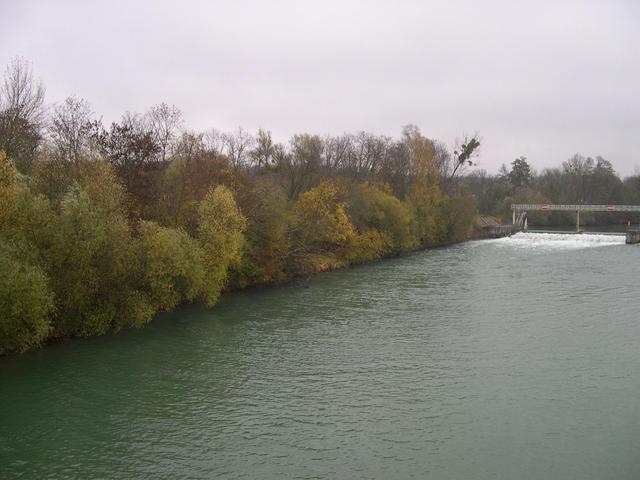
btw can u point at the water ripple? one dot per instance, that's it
(510, 358)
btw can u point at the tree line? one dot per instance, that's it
(579, 180)
(103, 226)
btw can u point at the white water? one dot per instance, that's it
(559, 241)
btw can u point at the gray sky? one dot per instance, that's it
(540, 79)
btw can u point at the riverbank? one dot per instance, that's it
(90, 252)
(303, 281)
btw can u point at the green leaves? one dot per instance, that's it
(97, 262)
(92, 260)
(467, 150)
(220, 227)
(26, 301)
(172, 265)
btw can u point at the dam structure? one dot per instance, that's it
(519, 212)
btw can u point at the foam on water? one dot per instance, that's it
(559, 241)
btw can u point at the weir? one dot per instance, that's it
(539, 241)
(519, 211)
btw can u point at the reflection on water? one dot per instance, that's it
(509, 358)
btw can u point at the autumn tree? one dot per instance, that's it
(51, 175)
(172, 265)
(93, 257)
(26, 301)
(423, 183)
(25, 216)
(220, 232)
(102, 227)
(457, 213)
(193, 170)
(376, 212)
(7, 188)
(321, 230)
(264, 252)
(131, 147)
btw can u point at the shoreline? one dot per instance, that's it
(296, 280)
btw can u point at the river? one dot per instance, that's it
(514, 358)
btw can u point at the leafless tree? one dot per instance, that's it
(280, 154)
(262, 154)
(214, 141)
(165, 121)
(371, 150)
(21, 94)
(69, 128)
(304, 163)
(395, 168)
(443, 159)
(22, 113)
(336, 153)
(189, 145)
(238, 145)
(137, 123)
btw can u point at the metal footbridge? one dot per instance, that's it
(519, 211)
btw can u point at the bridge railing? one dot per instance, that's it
(574, 208)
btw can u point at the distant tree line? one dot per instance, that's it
(103, 226)
(579, 180)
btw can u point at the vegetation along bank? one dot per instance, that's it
(102, 227)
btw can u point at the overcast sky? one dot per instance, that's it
(540, 79)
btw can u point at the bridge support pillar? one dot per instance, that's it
(577, 221)
(513, 222)
(633, 236)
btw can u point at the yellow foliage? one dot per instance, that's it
(172, 265)
(26, 301)
(220, 232)
(373, 209)
(318, 262)
(7, 188)
(368, 246)
(320, 220)
(100, 181)
(321, 230)
(424, 192)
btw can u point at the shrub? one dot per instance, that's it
(26, 301)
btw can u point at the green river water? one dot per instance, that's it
(514, 358)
